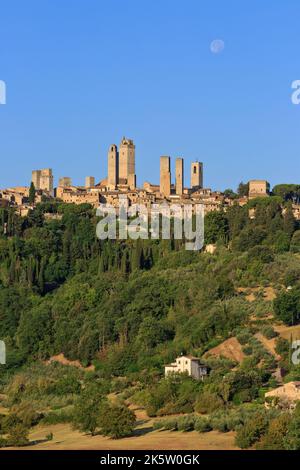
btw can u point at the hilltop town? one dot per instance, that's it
(121, 179)
(97, 333)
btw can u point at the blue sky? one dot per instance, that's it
(80, 74)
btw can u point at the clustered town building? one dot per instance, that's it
(121, 179)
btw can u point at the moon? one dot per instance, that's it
(217, 46)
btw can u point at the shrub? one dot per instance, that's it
(65, 385)
(3, 442)
(292, 277)
(59, 416)
(292, 438)
(219, 423)
(226, 421)
(269, 332)
(175, 394)
(160, 395)
(243, 380)
(18, 435)
(287, 306)
(242, 397)
(174, 408)
(158, 424)
(202, 424)
(141, 397)
(247, 350)
(244, 336)
(170, 424)
(116, 421)
(295, 242)
(120, 384)
(186, 423)
(9, 421)
(260, 253)
(282, 347)
(252, 431)
(86, 409)
(27, 414)
(274, 438)
(233, 422)
(208, 402)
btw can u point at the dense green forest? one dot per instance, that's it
(129, 304)
(129, 307)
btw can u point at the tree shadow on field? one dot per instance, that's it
(142, 431)
(36, 441)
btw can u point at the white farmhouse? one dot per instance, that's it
(187, 364)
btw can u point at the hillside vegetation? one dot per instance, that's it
(129, 307)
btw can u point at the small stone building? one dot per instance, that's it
(258, 188)
(187, 364)
(283, 397)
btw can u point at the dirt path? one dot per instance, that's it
(269, 344)
(66, 362)
(269, 292)
(288, 332)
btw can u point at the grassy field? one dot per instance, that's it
(144, 437)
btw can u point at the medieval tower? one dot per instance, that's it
(127, 163)
(179, 176)
(165, 176)
(113, 166)
(197, 175)
(43, 179)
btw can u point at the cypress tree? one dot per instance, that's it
(289, 222)
(124, 263)
(31, 193)
(41, 277)
(101, 265)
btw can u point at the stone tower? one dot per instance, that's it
(43, 179)
(89, 181)
(113, 166)
(165, 176)
(197, 175)
(65, 182)
(127, 163)
(35, 178)
(179, 176)
(258, 188)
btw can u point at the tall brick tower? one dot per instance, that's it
(165, 176)
(179, 176)
(113, 166)
(127, 163)
(43, 179)
(197, 175)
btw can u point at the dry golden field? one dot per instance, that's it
(144, 438)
